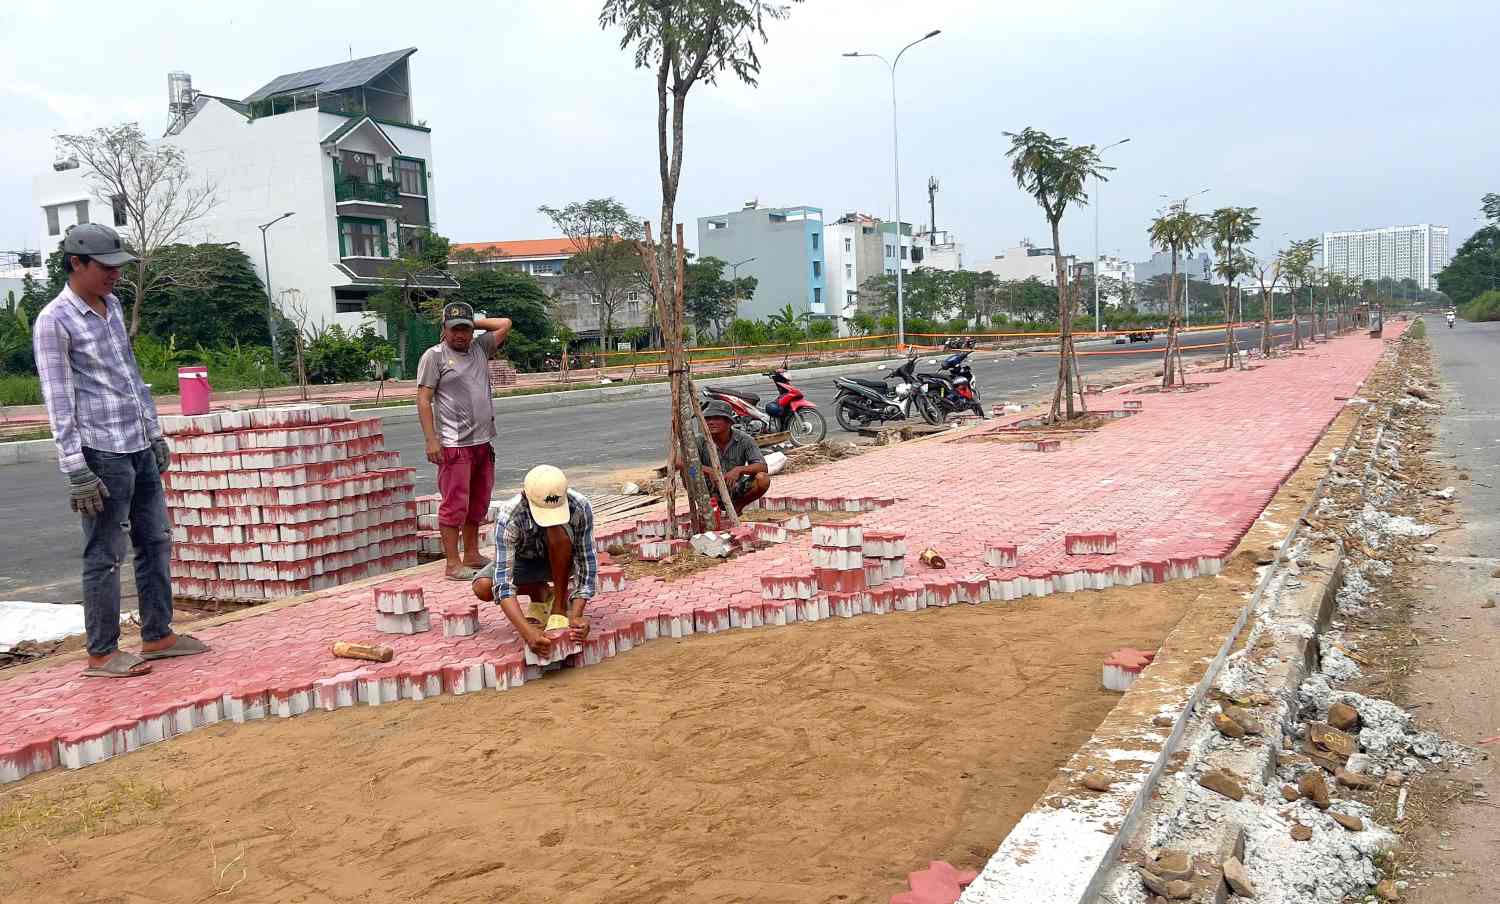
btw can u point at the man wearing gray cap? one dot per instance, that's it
(457, 415)
(745, 473)
(110, 447)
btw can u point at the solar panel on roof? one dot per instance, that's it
(333, 78)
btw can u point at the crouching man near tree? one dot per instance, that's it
(544, 542)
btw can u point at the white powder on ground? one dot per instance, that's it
(1334, 863)
(1336, 666)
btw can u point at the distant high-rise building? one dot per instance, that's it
(1392, 252)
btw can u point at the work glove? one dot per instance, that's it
(163, 453)
(86, 492)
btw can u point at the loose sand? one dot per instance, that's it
(812, 763)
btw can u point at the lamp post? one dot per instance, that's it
(735, 269)
(1096, 233)
(896, 176)
(265, 255)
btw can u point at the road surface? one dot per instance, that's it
(39, 550)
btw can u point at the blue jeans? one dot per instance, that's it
(135, 506)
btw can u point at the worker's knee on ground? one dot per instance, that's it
(762, 483)
(484, 588)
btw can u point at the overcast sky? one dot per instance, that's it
(1325, 115)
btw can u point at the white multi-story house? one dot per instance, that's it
(1417, 253)
(334, 155)
(938, 249)
(1026, 261)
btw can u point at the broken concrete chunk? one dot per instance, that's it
(1386, 890)
(1223, 782)
(1289, 794)
(1325, 758)
(1238, 878)
(1343, 717)
(1171, 865)
(1228, 727)
(1095, 782)
(1301, 832)
(1356, 780)
(1163, 721)
(1152, 881)
(1331, 739)
(1314, 788)
(1352, 823)
(1179, 890)
(1244, 718)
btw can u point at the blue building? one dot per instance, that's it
(782, 247)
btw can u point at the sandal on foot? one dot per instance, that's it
(186, 645)
(464, 573)
(119, 665)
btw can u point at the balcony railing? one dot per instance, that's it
(382, 192)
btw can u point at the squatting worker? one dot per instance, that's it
(110, 447)
(544, 547)
(745, 472)
(456, 374)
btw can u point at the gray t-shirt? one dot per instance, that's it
(462, 409)
(741, 451)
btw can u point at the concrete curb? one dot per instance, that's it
(1026, 868)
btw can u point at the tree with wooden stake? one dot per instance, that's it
(1267, 275)
(685, 42)
(1231, 229)
(1180, 232)
(1055, 174)
(1296, 270)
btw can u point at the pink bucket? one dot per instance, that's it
(193, 390)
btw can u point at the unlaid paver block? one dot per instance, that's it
(405, 623)
(836, 557)
(399, 599)
(786, 586)
(1124, 666)
(1098, 543)
(611, 579)
(1001, 555)
(845, 536)
(838, 580)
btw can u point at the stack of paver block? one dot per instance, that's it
(273, 502)
(502, 372)
(402, 609)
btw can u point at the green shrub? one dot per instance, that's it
(20, 389)
(1483, 308)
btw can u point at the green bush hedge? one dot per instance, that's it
(1485, 307)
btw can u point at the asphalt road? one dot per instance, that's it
(1469, 363)
(39, 550)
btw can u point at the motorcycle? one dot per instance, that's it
(861, 401)
(792, 412)
(959, 342)
(953, 388)
(1450, 319)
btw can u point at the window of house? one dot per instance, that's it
(848, 244)
(817, 239)
(903, 252)
(817, 269)
(349, 301)
(359, 166)
(362, 238)
(848, 271)
(817, 295)
(82, 209)
(53, 226)
(632, 296)
(890, 251)
(411, 175)
(117, 204)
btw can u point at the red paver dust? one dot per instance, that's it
(1177, 483)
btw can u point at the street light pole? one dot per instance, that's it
(265, 255)
(735, 268)
(896, 177)
(1186, 316)
(1096, 233)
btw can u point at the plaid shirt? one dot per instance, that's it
(92, 386)
(516, 534)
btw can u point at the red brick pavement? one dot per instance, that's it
(1178, 483)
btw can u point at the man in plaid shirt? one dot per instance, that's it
(110, 447)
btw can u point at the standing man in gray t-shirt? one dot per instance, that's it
(455, 374)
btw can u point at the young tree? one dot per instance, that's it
(1178, 231)
(1296, 269)
(1056, 174)
(606, 261)
(152, 186)
(1267, 275)
(711, 299)
(409, 288)
(229, 306)
(1232, 228)
(685, 42)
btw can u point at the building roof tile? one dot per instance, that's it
(520, 248)
(352, 74)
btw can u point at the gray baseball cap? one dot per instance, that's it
(718, 408)
(457, 313)
(98, 242)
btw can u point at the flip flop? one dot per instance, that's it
(463, 574)
(186, 645)
(122, 664)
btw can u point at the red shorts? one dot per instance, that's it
(465, 479)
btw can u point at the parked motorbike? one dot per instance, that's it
(958, 342)
(953, 388)
(861, 402)
(792, 412)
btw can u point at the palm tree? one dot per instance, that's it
(1230, 227)
(1055, 173)
(1177, 231)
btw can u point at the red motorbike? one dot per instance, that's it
(792, 412)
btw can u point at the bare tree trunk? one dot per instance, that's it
(1170, 356)
(1067, 365)
(1296, 322)
(1265, 321)
(1230, 344)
